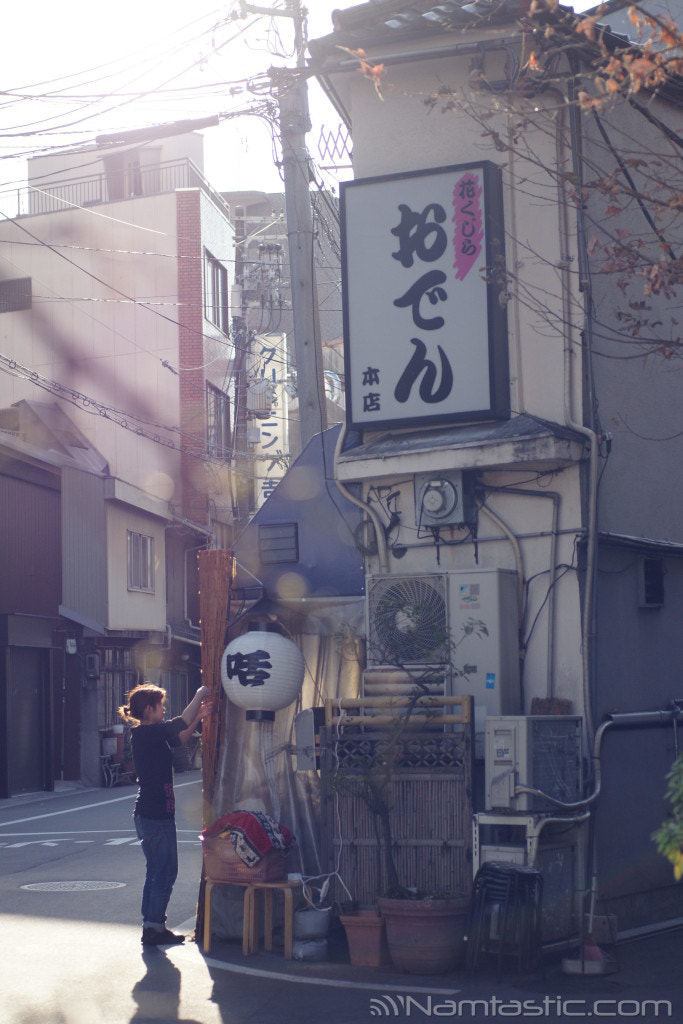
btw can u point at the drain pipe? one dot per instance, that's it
(382, 549)
(519, 558)
(590, 435)
(553, 496)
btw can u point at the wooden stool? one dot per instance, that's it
(249, 928)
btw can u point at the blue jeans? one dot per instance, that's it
(160, 847)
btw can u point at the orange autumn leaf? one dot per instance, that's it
(373, 72)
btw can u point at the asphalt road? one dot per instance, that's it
(71, 875)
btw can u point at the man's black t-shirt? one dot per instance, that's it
(153, 759)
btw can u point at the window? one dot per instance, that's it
(216, 292)
(140, 562)
(124, 173)
(218, 441)
(117, 667)
(134, 177)
(15, 295)
(651, 583)
(279, 542)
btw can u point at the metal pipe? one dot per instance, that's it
(382, 551)
(519, 559)
(554, 496)
(644, 717)
(590, 435)
(538, 535)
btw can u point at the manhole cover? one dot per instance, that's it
(72, 886)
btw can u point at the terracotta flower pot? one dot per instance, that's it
(367, 938)
(426, 936)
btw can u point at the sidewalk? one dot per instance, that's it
(61, 789)
(646, 987)
(646, 967)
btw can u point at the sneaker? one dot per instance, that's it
(153, 937)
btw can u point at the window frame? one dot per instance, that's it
(218, 426)
(216, 293)
(140, 562)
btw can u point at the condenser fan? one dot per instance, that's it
(407, 620)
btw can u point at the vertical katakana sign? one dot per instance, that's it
(425, 329)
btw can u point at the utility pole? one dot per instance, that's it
(294, 124)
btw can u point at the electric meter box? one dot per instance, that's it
(541, 752)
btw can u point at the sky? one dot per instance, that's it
(74, 70)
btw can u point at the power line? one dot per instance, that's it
(194, 447)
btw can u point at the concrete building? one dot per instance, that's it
(512, 411)
(268, 421)
(115, 282)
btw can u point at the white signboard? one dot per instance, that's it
(425, 333)
(267, 369)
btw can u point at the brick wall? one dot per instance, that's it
(191, 354)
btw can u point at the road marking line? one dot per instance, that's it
(89, 832)
(301, 979)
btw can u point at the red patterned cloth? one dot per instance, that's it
(251, 833)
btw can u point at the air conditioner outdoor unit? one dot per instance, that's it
(388, 682)
(434, 680)
(415, 621)
(407, 620)
(541, 752)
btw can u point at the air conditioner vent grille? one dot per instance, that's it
(407, 620)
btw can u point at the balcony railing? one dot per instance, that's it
(107, 187)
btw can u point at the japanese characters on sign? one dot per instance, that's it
(425, 336)
(250, 668)
(268, 363)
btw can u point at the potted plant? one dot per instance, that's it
(425, 930)
(366, 936)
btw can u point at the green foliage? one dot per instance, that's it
(669, 836)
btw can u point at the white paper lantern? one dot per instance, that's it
(262, 672)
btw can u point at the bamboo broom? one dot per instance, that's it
(215, 576)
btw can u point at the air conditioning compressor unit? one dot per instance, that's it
(414, 621)
(533, 752)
